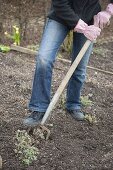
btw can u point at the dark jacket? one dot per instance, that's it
(68, 12)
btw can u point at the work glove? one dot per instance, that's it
(103, 18)
(109, 9)
(91, 32)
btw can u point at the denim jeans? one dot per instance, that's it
(53, 36)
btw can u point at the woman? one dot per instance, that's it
(86, 21)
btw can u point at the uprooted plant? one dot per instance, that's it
(24, 147)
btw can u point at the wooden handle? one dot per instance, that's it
(65, 80)
(23, 50)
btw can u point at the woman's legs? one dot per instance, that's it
(53, 36)
(76, 82)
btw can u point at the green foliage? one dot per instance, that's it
(15, 35)
(59, 55)
(4, 48)
(24, 147)
(91, 119)
(67, 45)
(33, 47)
(86, 101)
(100, 51)
(62, 101)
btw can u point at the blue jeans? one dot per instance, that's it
(53, 36)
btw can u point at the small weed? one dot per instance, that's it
(33, 47)
(86, 101)
(104, 40)
(15, 35)
(91, 119)
(62, 102)
(24, 147)
(100, 51)
(67, 45)
(59, 55)
(4, 48)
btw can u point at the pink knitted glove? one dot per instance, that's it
(102, 19)
(91, 32)
(109, 9)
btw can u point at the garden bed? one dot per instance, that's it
(72, 145)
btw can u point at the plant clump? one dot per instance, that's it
(90, 118)
(15, 36)
(24, 147)
(4, 48)
(86, 101)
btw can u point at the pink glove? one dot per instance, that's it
(109, 9)
(102, 19)
(91, 32)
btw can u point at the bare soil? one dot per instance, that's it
(72, 145)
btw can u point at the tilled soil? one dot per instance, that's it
(72, 145)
